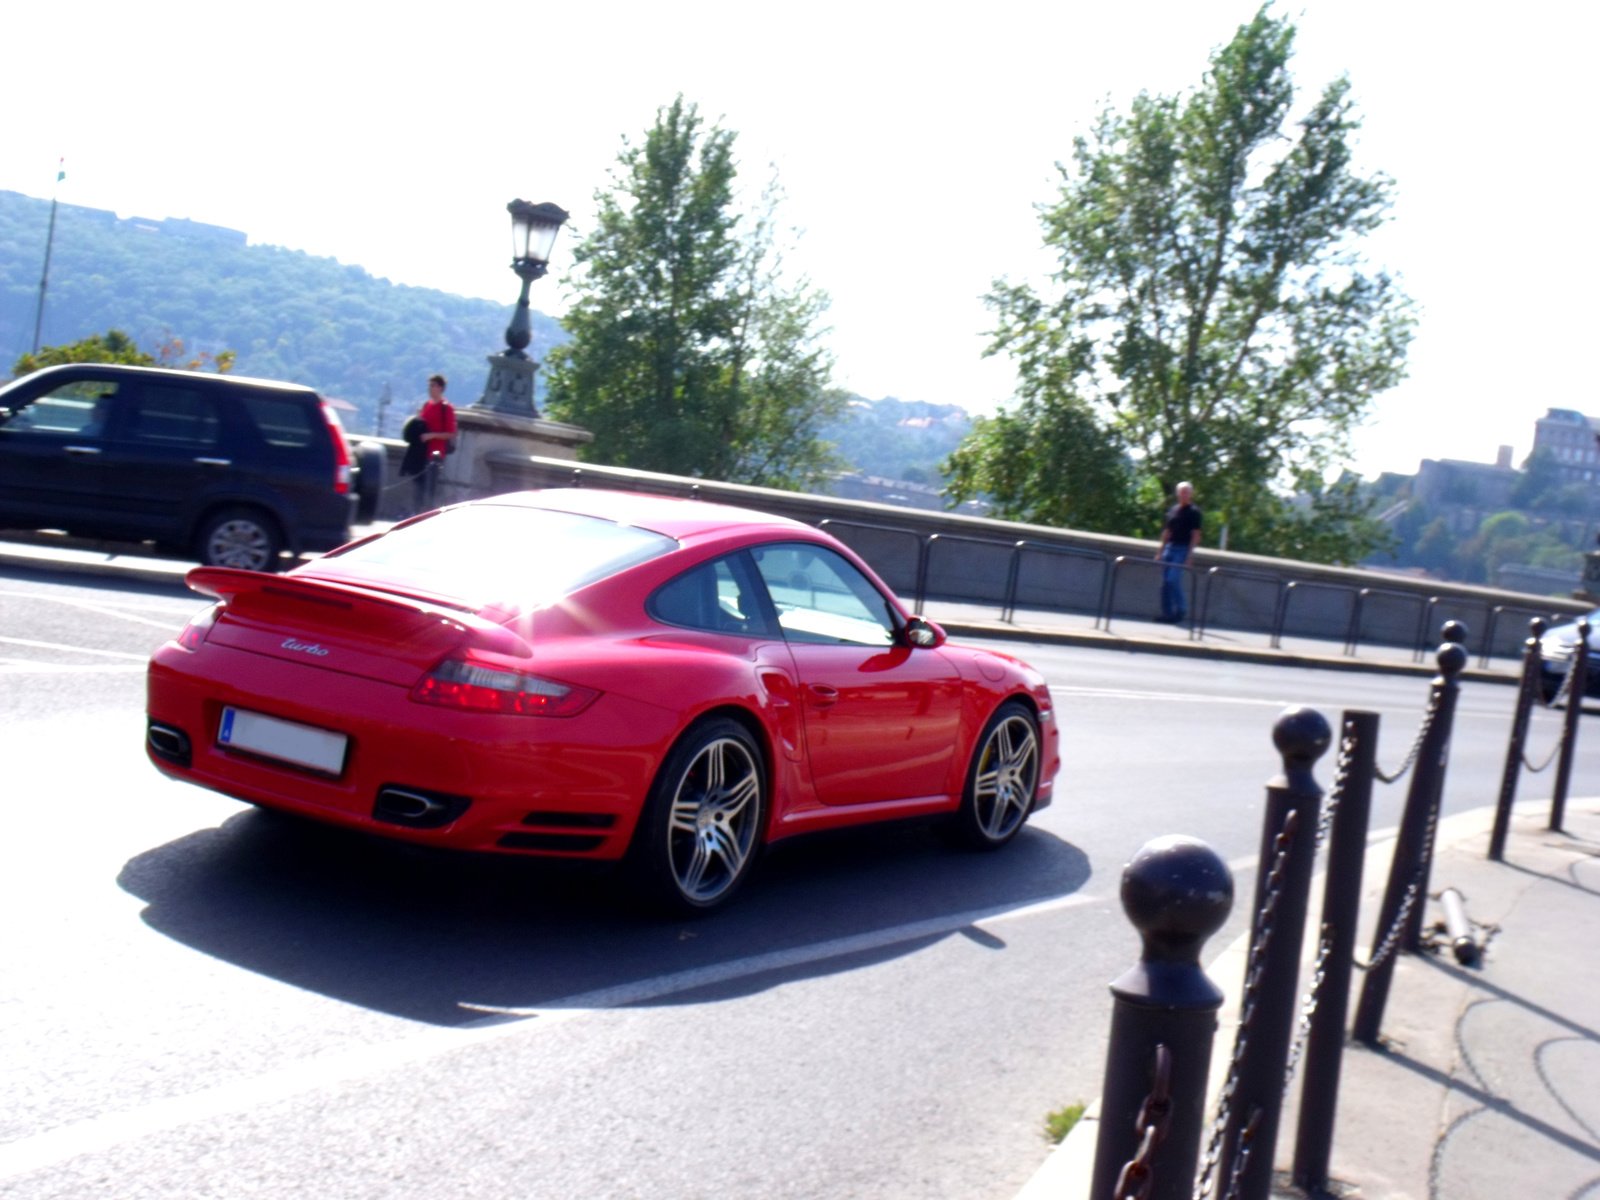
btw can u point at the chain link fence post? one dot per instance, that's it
(1266, 1018)
(1569, 729)
(1532, 675)
(1341, 908)
(1400, 917)
(1177, 892)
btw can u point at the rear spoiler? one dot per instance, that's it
(225, 583)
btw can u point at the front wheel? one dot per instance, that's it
(244, 538)
(1001, 781)
(701, 829)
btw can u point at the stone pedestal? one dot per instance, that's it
(484, 432)
(510, 386)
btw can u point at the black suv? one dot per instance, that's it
(232, 471)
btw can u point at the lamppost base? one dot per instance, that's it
(510, 386)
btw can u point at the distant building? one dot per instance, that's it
(1446, 481)
(1570, 437)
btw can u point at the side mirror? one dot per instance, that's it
(921, 633)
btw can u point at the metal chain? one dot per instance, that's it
(1341, 778)
(1261, 937)
(1391, 939)
(1242, 1158)
(1138, 1176)
(1308, 1006)
(1556, 702)
(1416, 746)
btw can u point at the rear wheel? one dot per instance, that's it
(1001, 781)
(701, 829)
(243, 538)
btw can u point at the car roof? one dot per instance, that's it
(684, 520)
(161, 372)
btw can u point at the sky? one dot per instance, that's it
(913, 142)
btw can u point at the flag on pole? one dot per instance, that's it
(61, 170)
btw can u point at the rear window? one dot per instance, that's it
(281, 422)
(531, 556)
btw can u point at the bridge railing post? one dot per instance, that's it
(1177, 892)
(1578, 685)
(1532, 672)
(1341, 908)
(1400, 916)
(1254, 1093)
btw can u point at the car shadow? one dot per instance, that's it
(444, 938)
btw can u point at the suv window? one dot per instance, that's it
(820, 597)
(281, 422)
(81, 408)
(173, 416)
(721, 596)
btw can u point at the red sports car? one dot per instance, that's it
(597, 675)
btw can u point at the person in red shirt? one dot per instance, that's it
(439, 417)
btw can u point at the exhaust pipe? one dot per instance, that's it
(418, 808)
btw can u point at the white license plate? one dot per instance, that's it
(303, 745)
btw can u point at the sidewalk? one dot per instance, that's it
(1488, 1085)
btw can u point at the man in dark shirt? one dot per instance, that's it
(1179, 536)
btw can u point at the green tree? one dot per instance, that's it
(688, 350)
(113, 346)
(1210, 319)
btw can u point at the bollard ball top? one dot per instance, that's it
(1177, 892)
(1536, 627)
(1302, 735)
(1453, 631)
(1452, 658)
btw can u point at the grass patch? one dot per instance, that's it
(1059, 1123)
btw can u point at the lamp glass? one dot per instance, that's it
(540, 240)
(521, 231)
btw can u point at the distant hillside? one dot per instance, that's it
(289, 315)
(899, 439)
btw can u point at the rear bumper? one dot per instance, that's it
(571, 787)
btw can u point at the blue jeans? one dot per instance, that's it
(1173, 606)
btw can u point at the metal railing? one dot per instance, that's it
(917, 577)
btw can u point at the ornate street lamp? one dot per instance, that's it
(533, 235)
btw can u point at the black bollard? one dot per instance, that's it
(1177, 892)
(1341, 907)
(1532, 677)
(1267, 1011)
(1399, 929)
(1569, 728)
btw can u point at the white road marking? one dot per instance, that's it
(108, 608)
(22, 666)
(11, 641)
(100, 1133)
(1075, 690)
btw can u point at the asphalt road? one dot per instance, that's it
(198, 999)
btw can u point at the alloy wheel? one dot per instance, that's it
(241, 544)
(712, 827)
(1008, 770)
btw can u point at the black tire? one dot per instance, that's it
(698, 839)
(371, 458)
(1008, 753)
(244, 538)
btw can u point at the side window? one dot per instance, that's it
(820, 597)
(173, 416)
(81, 408)
(281, 422)
(718, 596)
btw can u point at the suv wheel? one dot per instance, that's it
(243, 538)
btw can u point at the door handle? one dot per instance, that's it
(83, 449)
(822, 696)
(215, 462)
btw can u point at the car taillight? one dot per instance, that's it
(194, 633)
(463, 683)
(341, 450)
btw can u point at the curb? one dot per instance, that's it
(1275, 658)
(160, 571)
